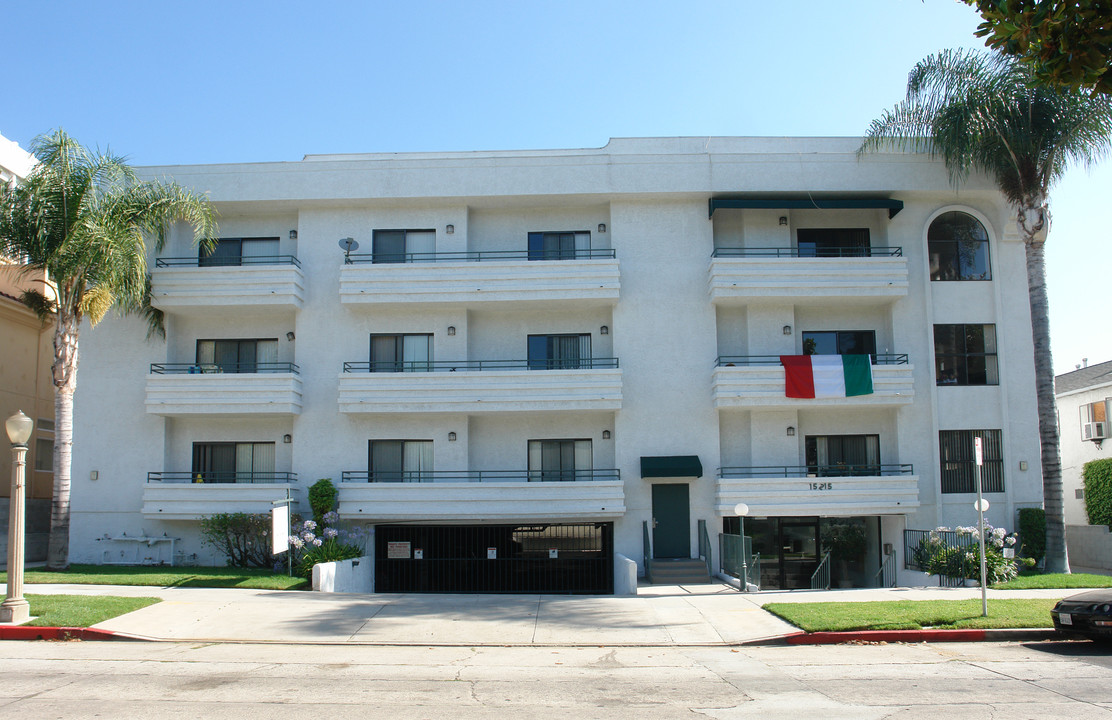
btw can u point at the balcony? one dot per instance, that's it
(758, 381)
(741, 275)
(836, 491)
(476, 386)
(192, 389)
(178, 495)
(182, 284)
(516, 496)
(479, 278)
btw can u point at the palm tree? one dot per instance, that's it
(984, 111)
(83, 218)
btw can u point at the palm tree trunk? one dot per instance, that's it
(1056, 558)
(65, 382)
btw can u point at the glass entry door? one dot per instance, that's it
(799, 552)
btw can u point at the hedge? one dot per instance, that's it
(1032, 532)
(1097, 475)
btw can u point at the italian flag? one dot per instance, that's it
(827, 376)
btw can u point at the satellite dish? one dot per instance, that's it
(348, 244)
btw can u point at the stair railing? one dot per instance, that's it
(647, 548)
(886, 576)
(704, 547)
(820, 579)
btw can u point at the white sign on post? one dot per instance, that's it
(280, 529)
(978, 450)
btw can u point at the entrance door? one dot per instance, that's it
(671, 522)
(799, 552)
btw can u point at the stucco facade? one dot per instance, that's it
(1082, 396)
(682, 272)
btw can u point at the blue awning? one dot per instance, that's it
(805, 202)
(671, 466)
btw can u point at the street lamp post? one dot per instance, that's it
(741, 510)
(15, 609)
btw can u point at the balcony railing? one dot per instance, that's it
(216, 368)
(391, 366)
(480, 476)
(819, 253)
(802, 471)
(227, 478)
(478, 256)
(229, 261)
(734, 360)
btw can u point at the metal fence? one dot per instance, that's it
(747, 360)
(397, 366)
(474, 476)
(227, 261)
(856, 252)
(221, 477)
(479, 256)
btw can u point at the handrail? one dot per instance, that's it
(885, 577)
(221, 477)
(227, 261)
(732, 360)
(817, 253)
(216, 368)
(754, 572)
(820, 579)
(396, 366)
(647, 549)
(704, 547)
(472, 476)
(478, 256)
(807, 471)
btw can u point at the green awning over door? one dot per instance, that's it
(666, 466)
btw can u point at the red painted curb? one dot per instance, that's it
(24, 632)
(828, 638)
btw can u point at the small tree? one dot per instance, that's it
(322, 499)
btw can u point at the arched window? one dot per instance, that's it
(958, 246)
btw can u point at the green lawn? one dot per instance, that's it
(914, 614)
(163, 576)
(1038, 581)
(81, 610)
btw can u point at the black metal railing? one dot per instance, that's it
(478, 256)
(921, 545)
(745, 360)
(221, 477)
(396, 366)
(478, 476)
(215, 368)
(806, 471)
(228, 261)
(817, 253)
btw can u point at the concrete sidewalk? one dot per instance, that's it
(660, 615)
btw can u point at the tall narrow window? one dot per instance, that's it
(234, 462)
(958, 461)
(839, 342)
(400, 460)
(403, 246)
(560, 460)
(833, 242)
(238, 356)
(401, 353)
(843, 455)
(559, 352)
(241, 251)
(559, 245)
(958, 247)
(965, 355)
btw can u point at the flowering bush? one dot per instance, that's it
(241, 537)
(963, 558)
(313, 543)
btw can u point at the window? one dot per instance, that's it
(559, 352)
(46, 425)
(400, 460)
(559, 245)
(401, 353)
(958, 461)
(833, 242)
(233, 462)
(238, 356)
(402, 246)
(1094, 420)
(839, 342)
(559, 460)
(241, 251)
(44, 454)
(843, 455)
(965, 355)
(958, 247)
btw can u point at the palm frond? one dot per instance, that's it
(40, 304)
(96, 302)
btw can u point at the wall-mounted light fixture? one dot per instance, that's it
(605, 434)
(791, 431)
(451, 437)
(787, 329)
(94, 475)
(450, 229)
(1023, 465)
(290, 336)
(783, 220)
(451, 329)
(293, 234)
(604, 330)
(287, 438)
(602, 227)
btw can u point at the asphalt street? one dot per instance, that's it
(1045, 680)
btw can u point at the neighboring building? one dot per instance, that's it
(1084, 398)
(534, 360)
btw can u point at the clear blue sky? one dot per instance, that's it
(203, 81)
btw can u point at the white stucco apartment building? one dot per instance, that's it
(536, 360)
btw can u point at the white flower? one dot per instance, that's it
(317, 542)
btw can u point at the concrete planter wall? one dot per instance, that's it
(345, 576)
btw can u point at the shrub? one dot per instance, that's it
(1032, 532)
(962, 560)
(240, 536)
(313, 543)
(1097, 475)
(322, 498)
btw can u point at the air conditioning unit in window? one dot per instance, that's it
(1094, 431)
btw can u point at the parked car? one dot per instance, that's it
(1088, 613)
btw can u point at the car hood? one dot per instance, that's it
(1093, 596)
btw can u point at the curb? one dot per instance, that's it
(926, 635)
(23, 632)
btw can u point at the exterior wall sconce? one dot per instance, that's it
(787, 329)
(451, 329)
(287, 438)
(451, 437)
(1023, 465)
(293, 234)
(290, 336)
(783, 220)
(602, 227)
(605, 434)
(450, 229)
(791, 431)
(604, 330)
